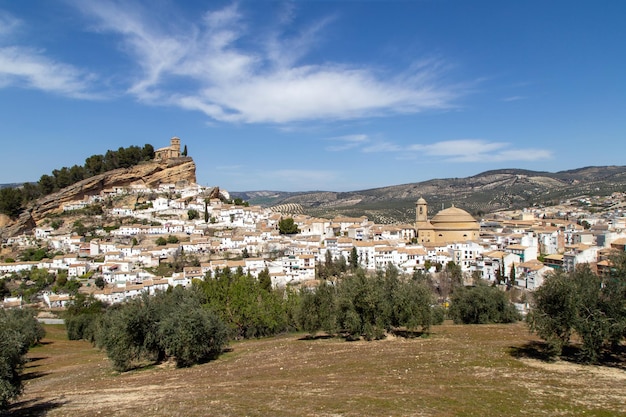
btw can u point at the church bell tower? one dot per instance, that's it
(421, 210)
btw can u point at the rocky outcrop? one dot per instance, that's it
(149, 174)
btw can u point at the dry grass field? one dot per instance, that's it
(486, 370)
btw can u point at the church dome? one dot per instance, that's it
(454, 218)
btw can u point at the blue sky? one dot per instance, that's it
(315, 95)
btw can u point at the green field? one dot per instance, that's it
(484, 370)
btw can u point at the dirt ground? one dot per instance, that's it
(456, 371)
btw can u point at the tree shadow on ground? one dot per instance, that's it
(32, 408)
(33, 375)
(407, 334)
(316, 337)
(613, 358)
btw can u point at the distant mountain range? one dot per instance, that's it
(12, 185)
(483, 193)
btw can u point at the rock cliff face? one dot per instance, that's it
(150, 174)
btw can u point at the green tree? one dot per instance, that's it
(184, 153)
(580, 302)
(19, 330)
(265, 280)
(11, 362)
(4, 289)
(318, 309)
(94, 165)
(413, 306)
(11, 202)
(46, 184)
(147, 153)
(361, 306)
(79, 228)
(171, 324)
(248, 306)
(172, 239)
(288, 226)
(192, 214)
(82, 315)
(354, 259)
(191, 334)
(512, 277)
(99, 282)
(161, 241)
(480, 305)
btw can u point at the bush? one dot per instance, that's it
(19, 330)
(318, 310)
(480, 305)
(81, 318)
(192, 335)
(11, 362)
(582, 303)
(170, 324)
(245, 304)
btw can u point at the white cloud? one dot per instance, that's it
(462, 150)
(231, 82)
(514, 98)
(344, 143)
(24, 67)
(8, 24)
(382, 147)
(477, 150)
(27, 67)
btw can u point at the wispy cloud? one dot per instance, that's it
(27, 67)
(8, 24)
(344, 143)
(477, 150)
(514, 98)
(382, 146)
(462, 150)
(210, 66)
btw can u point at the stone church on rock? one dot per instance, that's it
(172, 151)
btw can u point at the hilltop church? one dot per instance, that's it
(449, 225)
(172, 151)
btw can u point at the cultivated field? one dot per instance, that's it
(484, 370)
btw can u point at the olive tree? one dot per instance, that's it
(171, 324)
(581, 302)
(19, 330)
(480, 305)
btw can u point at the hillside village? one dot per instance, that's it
(209, 232)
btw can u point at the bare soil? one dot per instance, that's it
(487, 370)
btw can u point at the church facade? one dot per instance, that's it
(172, 151)
(449, 225)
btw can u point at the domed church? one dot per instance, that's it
(449, 225)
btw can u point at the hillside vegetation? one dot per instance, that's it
(483, 193)
(14, 199)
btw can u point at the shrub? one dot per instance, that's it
(582, 303)
(171, 324)
(480, 305)
(19, 330)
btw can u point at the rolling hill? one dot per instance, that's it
(482, 193)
